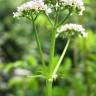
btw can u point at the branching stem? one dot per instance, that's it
(52, 72)
(62, 22)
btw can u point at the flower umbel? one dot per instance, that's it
(71, 30)
(35, 5)
(76, 5)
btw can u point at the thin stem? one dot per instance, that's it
(36, 17)
(64, 20)
(38, 44)
(61, 58)
(49, 20)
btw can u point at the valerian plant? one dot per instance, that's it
(32, 9)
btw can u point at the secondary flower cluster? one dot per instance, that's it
(76, 5)
(35, 5)
(71, 30)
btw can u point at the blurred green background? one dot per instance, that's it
(19, 55)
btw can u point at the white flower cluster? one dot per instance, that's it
(71, 30)
(35, 5)
(77, 4)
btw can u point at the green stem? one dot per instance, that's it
(61, 58)
(52, 50)
(38, 44)
(49, 88)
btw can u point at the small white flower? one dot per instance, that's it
(71, 30)
(35, 5)
(77, 4)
